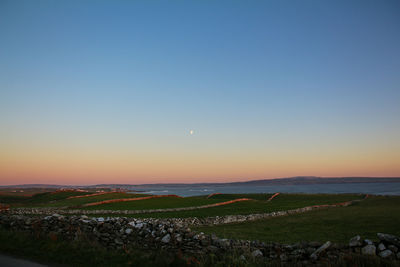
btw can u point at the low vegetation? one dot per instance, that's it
(281, 202)
(87, 253)
(156, 203)
(366, 218)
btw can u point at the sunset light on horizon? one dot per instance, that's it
(143, 92)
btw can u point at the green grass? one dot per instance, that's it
(79, 253)
(61, 199)
(156, 203)
(47, 198)
(281, 202)
(10, 199)
(226, 197)
(366, 218)
(79, 201)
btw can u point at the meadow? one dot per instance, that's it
(337, 224)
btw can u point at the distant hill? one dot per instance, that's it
(298, 180)
(304, 180)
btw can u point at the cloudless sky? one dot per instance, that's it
(107, 91)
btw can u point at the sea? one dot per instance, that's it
(196, 190)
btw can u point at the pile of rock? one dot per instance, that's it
(387, 247)
(170, 234)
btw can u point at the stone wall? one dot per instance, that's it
(168, 234)
(193, 221)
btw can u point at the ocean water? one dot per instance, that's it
(195, 190)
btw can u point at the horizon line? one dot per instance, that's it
(243, 181)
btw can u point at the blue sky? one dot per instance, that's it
(251, 78)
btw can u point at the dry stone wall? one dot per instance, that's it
(168, 234)
(192, 221)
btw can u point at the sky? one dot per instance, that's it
(108, 91)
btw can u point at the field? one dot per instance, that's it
(337, 224)
(281, 202)
(366, 218)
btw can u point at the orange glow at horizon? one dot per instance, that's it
(72, 167)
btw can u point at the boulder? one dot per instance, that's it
(386, 253)
(393, 248)
(322, 248)
(368, 242)
(381, 247)
(139, 226)
(166, 238)
(355, 241)
(369, 250)
(391, 239)
(128, 231)
(257, 253)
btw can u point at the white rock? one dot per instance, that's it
(314, 256)
(369, 250)
(132, 224)
(128, 231)
(139, 225)
(257, 253)
(355, 241)
(100, 219)
(385, 253)
(166, 238)
(381, 247)
(368, 242)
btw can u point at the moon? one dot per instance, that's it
(191, 132)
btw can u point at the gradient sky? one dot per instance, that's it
(107, 91)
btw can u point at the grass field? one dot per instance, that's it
(156, 203)
(47, 198)
(281, 202)
(90, 199)
(366, 218)
(61, 199)
(225, 197)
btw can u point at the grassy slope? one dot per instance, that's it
(84, 200)
(47, 198)
(226, 197)
(376, 214)
(59, 199)
(10, 199)
(156, 203)
(282, 202)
